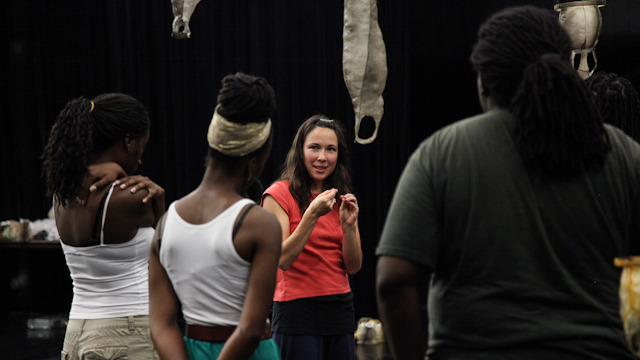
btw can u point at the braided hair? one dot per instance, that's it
(84, 128)
(617, 100)
(243, 99)
(300, 182)
(522, 55)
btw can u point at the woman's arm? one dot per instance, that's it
(293, 243)
(163, 310)
(139, 182)
(262, 231)
(351, 245)
(102, 174)
(130, 205)
(155, 193)
(126, 213)
(400, 284)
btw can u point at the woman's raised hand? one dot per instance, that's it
(139, 182)
(323, 203)
(100, 175)
(155, 191)
(349, 209)
(103, 174)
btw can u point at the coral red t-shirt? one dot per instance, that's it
(319, 270)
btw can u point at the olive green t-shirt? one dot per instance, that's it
(520, 261)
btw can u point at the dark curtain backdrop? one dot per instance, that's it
(55, 50)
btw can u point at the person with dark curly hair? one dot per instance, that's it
(313, 311)
(105, 233)
(509, 221)
(216, 252)
(618, 101)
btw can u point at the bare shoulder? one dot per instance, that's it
(259, 233)
(130, 206)
(262, 218)
(124, 197)
(262, 225)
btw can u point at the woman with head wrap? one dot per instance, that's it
(215, 252)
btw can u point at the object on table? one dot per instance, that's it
(15, 231)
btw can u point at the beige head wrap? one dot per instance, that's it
(235, 139)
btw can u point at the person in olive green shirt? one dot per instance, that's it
(510, 220)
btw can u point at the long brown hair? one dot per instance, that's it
(296, 172)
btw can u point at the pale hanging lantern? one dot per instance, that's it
(583, 22)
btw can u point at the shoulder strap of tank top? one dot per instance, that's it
(160, 228)
(244, 213)
(104, 213)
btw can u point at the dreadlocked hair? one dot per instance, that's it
(617, 100)
(84, 128)
(522, 55)
(300, 182)
(243, 99)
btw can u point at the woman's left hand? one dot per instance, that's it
(102, 174)
(349, 209)
(139, 182)
(155, 193)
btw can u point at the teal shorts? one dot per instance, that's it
(204, 350)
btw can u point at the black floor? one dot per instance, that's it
(17, 342)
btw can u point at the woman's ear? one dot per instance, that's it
(483, 95)
(481, 88)
(128, 142)
(253, 166)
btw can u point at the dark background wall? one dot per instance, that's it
(54, 50)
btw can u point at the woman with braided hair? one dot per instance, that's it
(510, 220)
(617, 100)
(106, 233)
(215, 253)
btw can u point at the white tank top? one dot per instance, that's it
(208, 275)
(110, 280)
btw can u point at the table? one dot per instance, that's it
(34, 277)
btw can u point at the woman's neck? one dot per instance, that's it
(219, 180)
(316, 188)
(106, 156)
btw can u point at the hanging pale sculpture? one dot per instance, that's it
(364, 57)
(583, 22)
(182, 11)
(364, 62)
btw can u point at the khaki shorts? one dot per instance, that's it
(116, 338)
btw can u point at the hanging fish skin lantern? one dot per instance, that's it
(583, 22)
(182, 11)
(364, 62)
